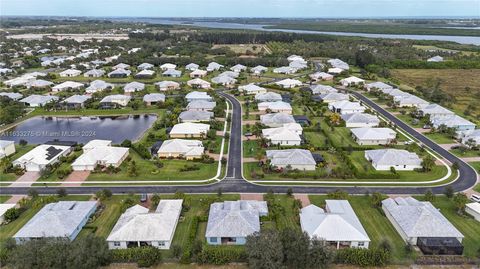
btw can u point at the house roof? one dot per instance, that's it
(474, 207)
(289, 82)
(276, 118)
(145, 66)
(258, 68)
(198, 95)
(281, 133)
(172, 72)
(134, 86)
(77, 99)
(120, 71)
(277, 105)
(452, 121)
(223, 80)
(334, 96)
(104, 154)
(352, 79)
(235, 218)
(190, 128)
(167, 83)
(59, 219)
(137, 224)
(195, 115)
(145, 72)
(192, 66)
(39, 99)
(201, 104)
(39, 83)
(98, 85)
(268, 96)
(290, 157)
(95, 72)
(182, 146)
(68, 84)
(419, 219)
(11, 95)
(360, 118)
(378, 85)
(410, 99)
(322, 89)
(392, 157)
(347, 105)
(198, 81)
(432, 109)
(373, 133)
(251, 88)
(154, 97)
(337, 63)
(96, 143)
(115, 98)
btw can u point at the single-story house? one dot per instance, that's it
(7, 148)
(12, 95)
(318, 89)
(224, 80)
(195, 116)
(94, 73)
(276, 119)
(197, 96)
(278, 106)
(138, 227)
(64, 219)
(181, 148)
(198, 73)
(473, 209)
(38, 158)
(337, 63)
(172, 73)
(352, 80)
(167, 85)
(338, 224)
(145, 66)
(230, 222)
(36, 100)
(229, 74)
(76, 101)
(454, 121)
(70, 73)
(286, 70)
(434, 110)
(167, 66)
(201, 105)
(115, 99)
(259, 69)
(153, 98)
(435, 59)
(121, 66)
(67, 85)
(289, 83)
(99, 152)
(238, 68)
(268, 97)
(251, 88)
(98, 85)
(213, 66)
(144, 74)
(298, 65)
(39, 84)
(198, 83)
(373, 136)
(293, 58)
(119, 73)
(422, 225)
(409, 101)
(377, 86)
(346, 107)
(300, 159)
(320, 76)
(358, 120)
(335, 71)
(334, 97)
(133, 87)
(471, 138)
(287, 135)
(189, 129)
(401, 160)
(192, 66)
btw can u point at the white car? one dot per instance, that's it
(475, 198)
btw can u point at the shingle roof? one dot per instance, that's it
(360, 118)
(373, 133)
(290, 157)
(276, 118)
(192, 115)
(393, 157)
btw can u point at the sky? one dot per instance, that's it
(243, 8)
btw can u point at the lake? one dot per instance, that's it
(39, 130)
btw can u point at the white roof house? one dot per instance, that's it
(471, 137)
(145, 66)
(7, 148)
(213, 66)
(98, 85)
(152, 98)
(338, 225)
(300, 159)
(434, 110)
(352, 80)
(67, 85)
(238, 68)
(195, 116)
(94, 73)
(133, 87)
(377, 86)
(99, 152)
(198, 73)
(337, 63)
(335, 70)
(145, 74)
(181, 148)
(230, 222)
(120, 72)
(192, 66)
(12, 95)
(334, 97)
(278, 106)
(224, 80)
(453, 121)
(195, 96)
(70, 73)
(167, 66)
(409, 101)
(172, 73)
(289, 83)
(473, 209)
(320, 76)
(121, 66)
(138, 226)
(357, 120)
(401, 160)
(20, 81)
(435, 59)
(287, 135)
(199, 83)
(284, 70)
(77, 99)
(119, 99)
(268, 97)
(413, 219)
(258, 69)
(373, 136)
(63, 219)
(346, 107)
(167, 85)
(298, 65)
(39, 83)
(293, 58)
(36, 100)
(251, 88)
(276, 119)
(189, 129)
(201, 105)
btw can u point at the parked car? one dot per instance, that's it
(475, 198)
(143, 197)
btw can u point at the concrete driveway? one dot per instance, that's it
(80, 176)
(26, 179)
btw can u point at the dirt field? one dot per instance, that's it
(242, 48)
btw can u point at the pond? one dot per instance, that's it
(39, 130)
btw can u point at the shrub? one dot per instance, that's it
(143, 256)
(219, 255)
(363, 257)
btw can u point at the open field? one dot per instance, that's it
(243, 48)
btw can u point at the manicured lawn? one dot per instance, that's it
(20, 150)
(339, 136)
(467, 153)
(440, 138)
(317, 139)
(251, 148)
(288, 219)
(4, 198)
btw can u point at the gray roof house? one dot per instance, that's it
(434, 110)
(201, 105)
(195, 116)
(322, 89)
(119, 73)
(224, 80)
(230, 222)
(94, 73)
(12, 95)
(268, 97)
(453, 121)
(378, 86)
(134, 87)
(276, 119)
(401, 160)
(172, 73)
(62, 219)
(35, 100)
(356, 120)
(300, 159)
(153, 98)
(76, 100)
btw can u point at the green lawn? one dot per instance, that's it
(4, 198)
(288, 219)
(54, 176)
(467, 153)
(317, 139)
(20, 150)
(440, 138)
(251, 148)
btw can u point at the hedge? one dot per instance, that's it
(363, 257)
(219, 255)
(187, 248)
(143, 256)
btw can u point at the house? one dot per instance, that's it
(70, 73)
(198, 73)
(133, 87)
(352, 80)
(39, 84)
(300, 159)
(67, 85)
(192, 66)
(145, 74)
(224, 80)
(338, 224)
(201, 105)
(251, 88)
(38, 158)
(172, 73)
(119, 73)
(373, 136)
(381, 86)
(298, 65)
(195, 116)
(293, 58)
(153, 98)
(320, 76)
(334, 97)
(198, 83)
(3, 209)
(259, 69)
(94, 73)
(167, 66)
(276, 119)
(197, 96)
(64, 219)
(335, 71)
(145, 66)
(401, 160)
(121, 66)
(278, 106)
(473, 209)
(181, 148)
(230, 222)
(35, 100)
(213, 66)
(346, 107)
(409, 101)
(471, 138)
(238, 68)
(99, 153)
(435, 59)
(287, 135)
(229, 74)
(20, 81)
(420, 224)
(7, 148)
(456, 122)
(98, 85)
(167, 85)
(289, 83)
(115, 99)
(76, 101)
(12, 95)
(337, 63)
(268, 97)
(358, 120)
(189, 129)
(286, 70)
(434, 110)
(5, 71)
(138, 227)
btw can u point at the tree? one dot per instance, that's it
(428, 163)
(32, 193)
(319, 255)
(460, 200)
(155, 199)
(62, 192)
(11, 214)
(429, 196)
(449, 192)
(376, 199)
(295, 248)
(132, 169)
(289, 192)
(264, 250)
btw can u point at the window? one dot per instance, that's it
(161, 243)
(213, 239)
(116, 244)
(361, 244)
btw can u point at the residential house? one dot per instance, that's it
(295, 58)
(338, 224)
(230, 222)
(352, 80)
(224, 80)
(373, 136)
(36, 100)
(197, 96)
(238, 68)
(76, 101)
(473, 209)
(358, 120)
(192, 66)
(251, 88)
(337, 63)
(278, 106)
(97, 86)
(471, 138)
(39, 157)
(456, 122)
(346, 107)
(198, 83)
(334, 97)
(286, 70)
(172, 73)
(145, 74)
(195, 116)
(434, 110)
(7, 148)
(167, 66)
(70, 73)
(300, 159)
(133, 87)
(287, 135)
(213, 66)
(99, 153)
(298, 65)
(409, 101)
(167, 85)
(115, 100)
(12, 95)
(153, 98)
(435, 59)
(201, 105)
(198, 73)
(145, 66)
(317, 76)
(258, 70)
(377, 86)
(181, 148)
(401, 160)
(121, 66)
(119, 73)
(39, 84)
(189, 129)
(67, 85)
(268, 97)
(276, 119)
(335, 71)
(94, 73)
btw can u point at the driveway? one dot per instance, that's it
(26, 180)
(303, 198)
(79, 176)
